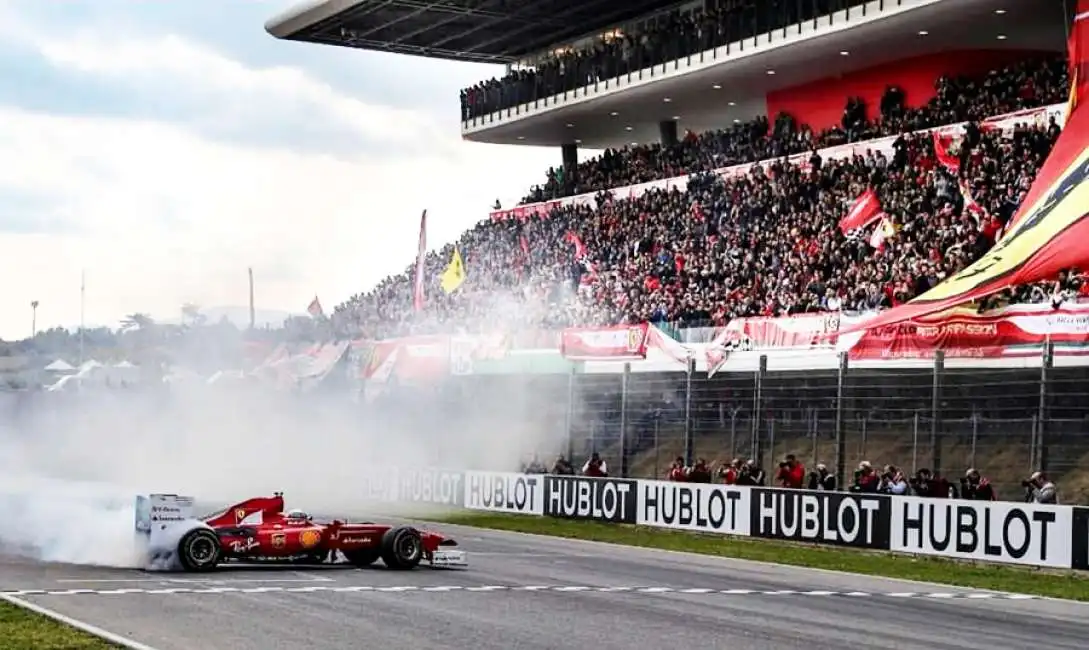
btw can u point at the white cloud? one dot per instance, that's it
(159, 213)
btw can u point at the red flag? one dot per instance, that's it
(865, 210)
(970, 205)
(941, 151)
(421, 252)
(315, 309)
(1077, 47)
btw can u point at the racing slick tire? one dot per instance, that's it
(402, 548)
(199, 550)
(363, 557)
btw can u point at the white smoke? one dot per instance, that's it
(72, 464)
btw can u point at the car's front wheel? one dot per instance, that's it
(402, 548)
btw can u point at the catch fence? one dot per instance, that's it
(1007, 420)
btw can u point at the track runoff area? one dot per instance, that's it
(537, 591)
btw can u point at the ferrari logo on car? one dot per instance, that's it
(240, 514)
(309, 538)
(279, 540)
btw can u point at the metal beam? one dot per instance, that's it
(412, 14)
(385, 46)
(486, 24)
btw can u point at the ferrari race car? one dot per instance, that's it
(258, 530)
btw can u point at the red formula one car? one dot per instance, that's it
(258, 530)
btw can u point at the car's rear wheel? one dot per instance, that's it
(199, 550)
(402, 548)
(362, 557)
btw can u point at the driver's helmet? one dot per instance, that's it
(297, 515)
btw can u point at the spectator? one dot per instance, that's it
(976, 488)
(822, 479)
(791, 473)
(595, 466)
(1038, 489)
(866, 479)
(677, 471)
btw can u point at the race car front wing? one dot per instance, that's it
(448, 558)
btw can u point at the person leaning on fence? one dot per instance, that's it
(822, 479)
(927, 484)
(1038, 489)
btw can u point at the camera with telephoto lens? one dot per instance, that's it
(784, 465)
(1027, 484)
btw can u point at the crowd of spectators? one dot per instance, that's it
(1026, 84)
(665, 37)
(763, 243)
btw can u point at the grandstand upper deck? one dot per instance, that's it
(634, 97)
(481, 31)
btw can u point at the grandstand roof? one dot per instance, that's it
(714, 94)
(483, 31)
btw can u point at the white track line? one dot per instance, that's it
(105, 635)
(701, 591)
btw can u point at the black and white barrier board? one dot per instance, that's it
(990, 531)
(824, 517)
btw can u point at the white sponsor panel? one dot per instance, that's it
(701, 507)
(430, 486)
(505, 492)
(991, 531)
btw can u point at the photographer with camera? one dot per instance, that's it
(751, 475)
(893, 481)
(866, 479)
(930, 485)
(730, 472)
(1040, 490)
(822, 479)
(976, 488)
(791, 473)
(700, 472)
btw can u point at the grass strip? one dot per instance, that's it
(22, 629)
(1023, 580)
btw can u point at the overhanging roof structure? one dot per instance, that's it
(481, 31)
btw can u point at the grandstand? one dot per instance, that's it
(731, 159)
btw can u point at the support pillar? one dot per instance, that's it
(570, 157)
(668, 132)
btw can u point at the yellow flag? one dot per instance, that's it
(454, 274)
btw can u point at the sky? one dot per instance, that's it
(159, 149)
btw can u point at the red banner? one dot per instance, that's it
(605, 343)
(964, 333)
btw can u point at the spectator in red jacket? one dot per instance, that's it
(791, 473)
(677, 471)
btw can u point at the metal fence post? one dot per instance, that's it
(689, 443)
(569, 423)
(758, 412)
(1043, 416)
(624, 380)
(936, 414)
(841, 437)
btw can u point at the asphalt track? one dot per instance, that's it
(526, 592)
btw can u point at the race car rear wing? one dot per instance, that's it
(157, 512)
